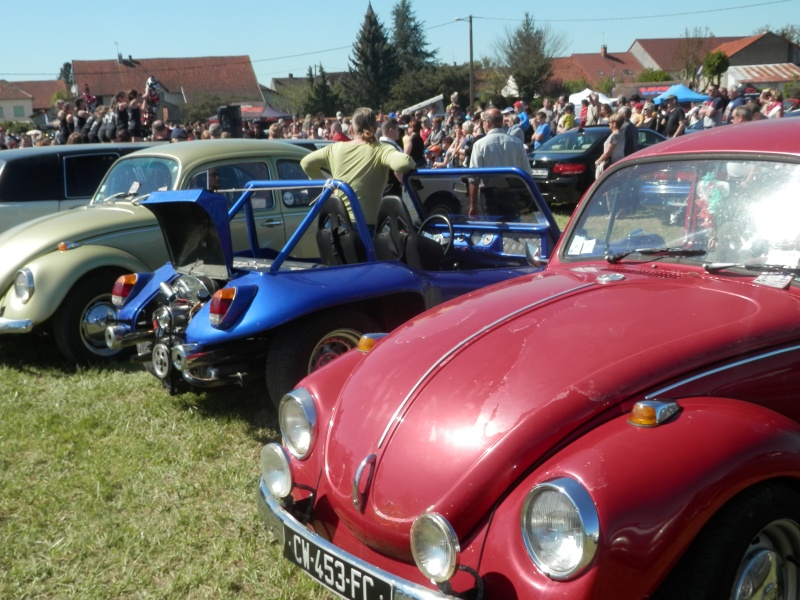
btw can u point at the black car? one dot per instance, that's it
(563, 167)
(48, 179)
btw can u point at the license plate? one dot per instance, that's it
(332, 572)
(539, 172)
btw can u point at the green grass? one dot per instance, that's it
(111, 488)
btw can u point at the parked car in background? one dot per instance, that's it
(213, 317)
(58, 271)
(564, 166)
(624, 424)
(48, 179)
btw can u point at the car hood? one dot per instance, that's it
(459, 402)
(86, 224)
(207, 242)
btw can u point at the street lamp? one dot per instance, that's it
(471, 68)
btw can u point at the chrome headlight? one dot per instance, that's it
(297, 416)
(23, 285)
(275, 470)
(560, 527)
(434, 546)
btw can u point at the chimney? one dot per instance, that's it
(603, 50)
(291, 76)
(119, 58)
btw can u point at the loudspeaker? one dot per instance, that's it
(230, 118)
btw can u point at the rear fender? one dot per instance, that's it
(56, 273)
(654, 489)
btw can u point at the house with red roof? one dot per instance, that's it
(15, 103)
(183, 80)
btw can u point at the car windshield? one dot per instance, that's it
(743, 212)
(134, 177)
(575, 140)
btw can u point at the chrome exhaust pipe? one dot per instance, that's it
(121, 336)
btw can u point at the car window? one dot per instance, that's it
(647, 137)
(291, 170)
(137, 176)
(230, 179)
(82, 174)
(17, 176)
(577, 140)
(736, 211)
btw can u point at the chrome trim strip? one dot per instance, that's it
(665, 390)
(370, 460)
(274, 515)
(463, 343)
(15, 325)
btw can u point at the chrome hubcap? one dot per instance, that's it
(161, 360)
(332, 345)
(93, 326)
(769, 570)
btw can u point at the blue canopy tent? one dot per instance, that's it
(682, 93)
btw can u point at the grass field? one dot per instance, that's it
(111, 488)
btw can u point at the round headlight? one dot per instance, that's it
(560, 527)
(23, 285)
(434, 546)
(275, 470)
(297, 416)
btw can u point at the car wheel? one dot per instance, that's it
(79, 324)
(310, 343)
(441, 203)
(748, 550)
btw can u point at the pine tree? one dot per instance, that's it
(409, 41)
(373, 66)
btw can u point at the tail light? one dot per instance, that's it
(568, 169)
(123, 287)
(221, 303)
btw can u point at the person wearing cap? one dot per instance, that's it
(637, 116)
(496, 149)
(567, 119)
(178, 134)
(524, 120)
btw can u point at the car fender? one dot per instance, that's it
(654, 490)
(283, 298)
(55, 274)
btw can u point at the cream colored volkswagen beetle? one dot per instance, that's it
(57, 271)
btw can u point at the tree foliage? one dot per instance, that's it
(408, 40)
(203, 108)
(527, 53)
(373, 66)
(690, 53)
(653, 76)
(321, 97)
(65, 74)
(413, 87)
(789, 32)
(714, 65)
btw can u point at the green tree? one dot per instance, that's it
(413, 87)
(373, 66)
(690, 53)
(321, 97)
(791, 33)
(653, 76)
(203, 108)
(714, 65)
(65, 74)
(408, 39)
(526, 53)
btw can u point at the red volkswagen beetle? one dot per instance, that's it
(622, 425)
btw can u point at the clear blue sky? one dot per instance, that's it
(279, 41)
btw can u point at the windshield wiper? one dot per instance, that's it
(613, 258)
(115, 196)
(761, 268)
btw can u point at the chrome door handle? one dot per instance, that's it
(272, 222)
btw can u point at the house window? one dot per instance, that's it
(19, 111)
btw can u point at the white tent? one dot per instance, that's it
(578, 96)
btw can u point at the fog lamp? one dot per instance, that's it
(275, 470)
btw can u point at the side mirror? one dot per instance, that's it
(533, 255)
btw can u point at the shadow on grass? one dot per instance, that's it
(38, 351)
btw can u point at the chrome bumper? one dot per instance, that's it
(276, 518)
(15, 325)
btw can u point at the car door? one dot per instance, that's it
(80, 176)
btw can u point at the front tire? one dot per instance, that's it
(310, 343)
(753, 544)
(79, 324)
